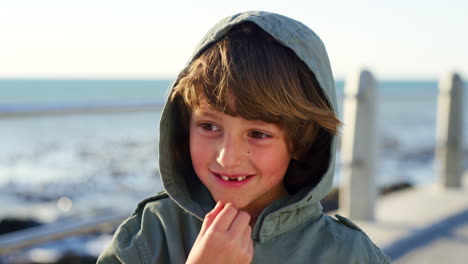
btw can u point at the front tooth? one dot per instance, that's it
(225, 178)
(241, 178)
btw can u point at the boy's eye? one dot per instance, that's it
(258, 135)
(209, 127)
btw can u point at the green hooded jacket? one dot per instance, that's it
(294, 229)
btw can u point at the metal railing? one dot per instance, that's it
(25, 238)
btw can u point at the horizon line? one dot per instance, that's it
(173, 78)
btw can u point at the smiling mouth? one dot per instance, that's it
(233, 179)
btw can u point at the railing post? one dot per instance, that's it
(359, 147)
(449, 148)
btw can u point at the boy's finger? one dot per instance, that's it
(224, 219)
(239, 224)
(211, 216)
(247, 238)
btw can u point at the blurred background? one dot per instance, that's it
(82, 84)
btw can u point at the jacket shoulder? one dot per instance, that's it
(351, 236)
(158, 197)
(345, 221)
(141, 237)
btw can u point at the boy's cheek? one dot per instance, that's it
(200, 153)
(199, 146)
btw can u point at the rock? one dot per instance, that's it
(8, 225)
(395, 187)
(72, 258)
(330, 202)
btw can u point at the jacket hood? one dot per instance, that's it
(180, 181)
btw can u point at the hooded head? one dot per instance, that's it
(260, 67)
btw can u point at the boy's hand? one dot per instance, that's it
(225, 237)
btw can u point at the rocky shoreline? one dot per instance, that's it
(330, 202)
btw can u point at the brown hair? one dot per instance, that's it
(247, 73)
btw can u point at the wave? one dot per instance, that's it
(38, 109)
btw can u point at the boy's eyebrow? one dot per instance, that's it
(205, 113)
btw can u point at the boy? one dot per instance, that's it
(250, 126)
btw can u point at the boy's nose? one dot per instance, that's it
(230, 152)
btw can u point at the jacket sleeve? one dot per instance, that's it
(370, 252)
(140, 239)
(374, 254)
(363, 249)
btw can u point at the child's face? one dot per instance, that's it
(239, 161)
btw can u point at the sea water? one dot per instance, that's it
(105, 160)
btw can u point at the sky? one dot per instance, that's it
(394, 39)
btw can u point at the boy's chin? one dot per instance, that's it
(236, 203)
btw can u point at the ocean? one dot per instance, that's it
(79, 148)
